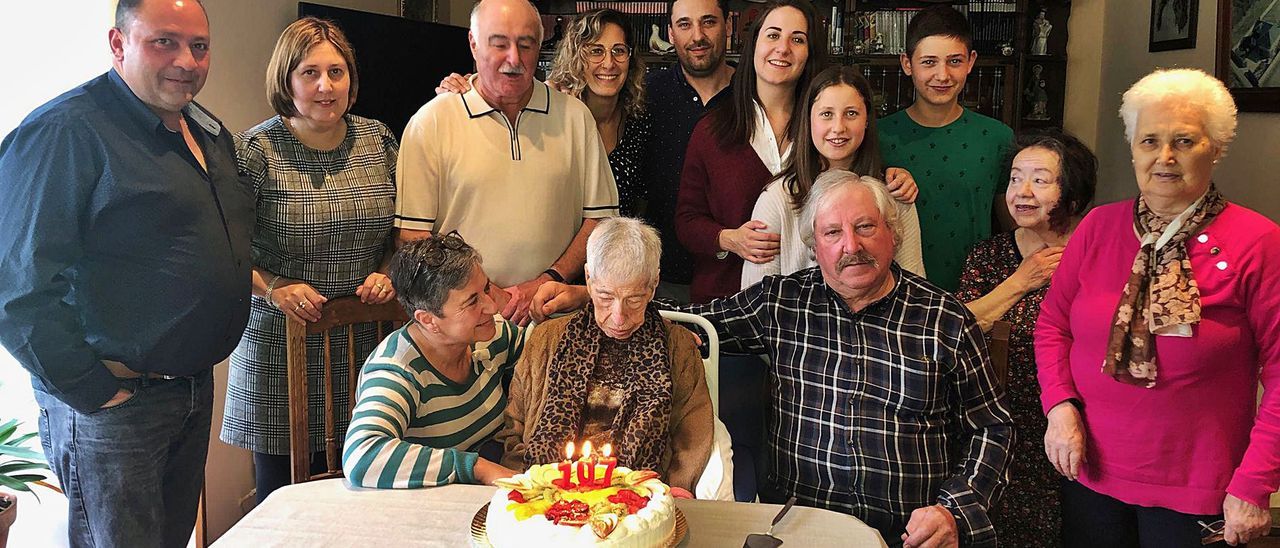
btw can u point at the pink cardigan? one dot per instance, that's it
(1194, 437)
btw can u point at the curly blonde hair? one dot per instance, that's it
(569, 68)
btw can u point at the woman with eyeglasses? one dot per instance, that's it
(1051, 182)
(431, 395)
(594, 63)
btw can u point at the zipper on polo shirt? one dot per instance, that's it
(513, 132)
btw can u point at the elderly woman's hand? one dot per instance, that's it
(1064, 439)
(751, 242)
(376, 289)
(553, 297)
(454, 83)
(298, 300)
(1244, 521)
(901, 185)
(1036, 270)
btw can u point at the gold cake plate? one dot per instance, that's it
(480, 537)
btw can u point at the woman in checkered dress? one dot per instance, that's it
(325, 186)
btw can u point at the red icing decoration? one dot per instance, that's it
(515, 496)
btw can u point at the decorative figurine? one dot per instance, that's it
(878, 45)
(1042, 27)
(1037, 95)
(1006, 48)
(657, 44)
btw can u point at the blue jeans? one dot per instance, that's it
(132, 473)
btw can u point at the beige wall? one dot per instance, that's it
(244, 33)
(1108, 53)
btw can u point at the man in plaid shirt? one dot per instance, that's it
(884, 402)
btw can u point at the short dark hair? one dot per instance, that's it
(423, 272)
(126, 9)
(942, 21)
(722, 4)
(1077, 172)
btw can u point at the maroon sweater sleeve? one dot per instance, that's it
(696, 228)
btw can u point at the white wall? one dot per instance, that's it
(1108, 53)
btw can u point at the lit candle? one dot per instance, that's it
(566, 467)
(586, 473)
(609, 464)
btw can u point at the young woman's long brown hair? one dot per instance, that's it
(806, 164)
(734, 121)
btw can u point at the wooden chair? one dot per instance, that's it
(343, 312)
(998, 348)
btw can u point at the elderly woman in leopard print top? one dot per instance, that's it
(615, 372)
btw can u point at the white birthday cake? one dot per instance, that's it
(546, 506)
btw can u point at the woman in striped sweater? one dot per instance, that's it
(431, 395)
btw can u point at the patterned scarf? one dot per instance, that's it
(1161, 289)
(641, 422)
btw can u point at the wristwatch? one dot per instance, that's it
(554, 274)
(722, 255)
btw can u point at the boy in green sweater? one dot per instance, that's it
(956, 155)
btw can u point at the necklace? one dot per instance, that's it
(321, 157)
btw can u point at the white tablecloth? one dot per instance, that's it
(329, 513)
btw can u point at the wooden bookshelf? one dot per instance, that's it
(1000, 85)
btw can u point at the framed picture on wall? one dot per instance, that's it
(1173, 24)
(1249, 52)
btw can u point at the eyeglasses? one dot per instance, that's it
(595, 52)
(437, 251)
(1211, 532)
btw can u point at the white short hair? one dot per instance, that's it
(475, 21)
(838, 179)
(624, 250)
(1192, 87)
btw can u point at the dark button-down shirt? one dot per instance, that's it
(878, 412)
(117, 245)
(674, 107)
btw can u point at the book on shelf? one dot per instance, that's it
(994, 24)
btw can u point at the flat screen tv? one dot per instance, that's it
(400, 60)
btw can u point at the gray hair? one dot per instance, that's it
(828, 186)
(422, 285)
(475, 22)
(622, 249)
(1192, 87)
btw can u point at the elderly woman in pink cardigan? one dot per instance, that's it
(1162, 318)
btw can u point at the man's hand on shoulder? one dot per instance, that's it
(553, 297)
(454, 83)
(931, 527)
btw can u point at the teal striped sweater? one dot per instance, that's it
(412, 426)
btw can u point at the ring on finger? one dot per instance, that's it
(302, 305)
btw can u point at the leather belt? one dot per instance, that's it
(120, 371)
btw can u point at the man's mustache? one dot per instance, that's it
(514, 70)
(856, 259)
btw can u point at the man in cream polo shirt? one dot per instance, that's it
(515, 167)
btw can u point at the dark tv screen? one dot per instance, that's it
(400, 60)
